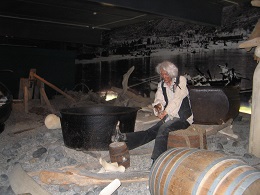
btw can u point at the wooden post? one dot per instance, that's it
(36, 94)
(31, 74)
(44, 96)
(21, 89)
(39, 85)
(32, 83)
(25, 94)
(254, 136)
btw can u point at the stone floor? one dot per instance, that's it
(26, 141)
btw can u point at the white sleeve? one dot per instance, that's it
(159, 98)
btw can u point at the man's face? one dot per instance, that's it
(165, 76)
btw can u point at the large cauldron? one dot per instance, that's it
(214, 105)
(5, 109)
(91, 127)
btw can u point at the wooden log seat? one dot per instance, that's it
(192, 137)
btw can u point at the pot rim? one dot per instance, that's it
(66, 111)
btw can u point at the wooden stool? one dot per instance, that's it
(193, 137)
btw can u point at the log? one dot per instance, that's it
(71, 177)
(228, 132)
(52, 121)
(125, 79)
(137, 98)
(213, 129)
(250, 43)
(106, 176)
(124, 95)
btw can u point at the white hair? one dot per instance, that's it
(169, 67)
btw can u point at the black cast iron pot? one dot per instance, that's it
(91, 127)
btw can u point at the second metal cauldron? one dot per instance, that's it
(214, 105)
(91, 127)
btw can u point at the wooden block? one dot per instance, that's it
(192, 137)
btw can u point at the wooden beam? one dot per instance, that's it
(49, 31)
(250, 43)
(54, 87)
(202, 12)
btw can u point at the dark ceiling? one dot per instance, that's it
(83, 21)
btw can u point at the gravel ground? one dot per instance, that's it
(43, 149)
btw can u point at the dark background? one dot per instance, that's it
(55, 66)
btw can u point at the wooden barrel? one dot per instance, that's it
(192, 137)
(191, 171)
(119, 153)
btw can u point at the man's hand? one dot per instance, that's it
(162, 114)
(158, 108)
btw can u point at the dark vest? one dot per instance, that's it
(185, 109)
